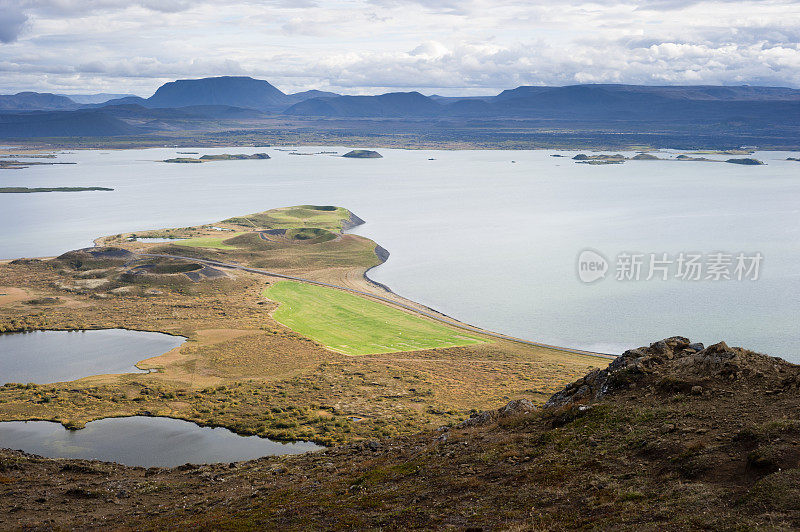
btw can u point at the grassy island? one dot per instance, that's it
(363, 154)
(220, 157)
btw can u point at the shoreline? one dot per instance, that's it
(23, 148)
(432, 314)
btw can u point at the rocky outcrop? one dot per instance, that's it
(678, 363)
(352, 221)
(518, 407)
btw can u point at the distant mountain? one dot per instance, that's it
(393, 104)
(80, 123)
(227, 90)
(101, 97)
(685, 92)
(35, 101)
(307, 95)
(126, 100)
(594, 102)
(626, 102)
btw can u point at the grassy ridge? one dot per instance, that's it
(318, 216)
(354, 325)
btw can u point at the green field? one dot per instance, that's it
(355, 325)
(207, 242)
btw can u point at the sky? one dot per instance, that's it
(448, 47)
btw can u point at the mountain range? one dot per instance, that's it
(237, 98)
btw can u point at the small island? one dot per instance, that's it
(619, 159)
(363, 154)
(746, 161)
(220, 157)
(15, 164)
(26, 190)
(582, 158)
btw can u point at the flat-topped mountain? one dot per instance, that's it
(226, 90)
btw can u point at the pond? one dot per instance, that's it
(142, 441)
(55, 356)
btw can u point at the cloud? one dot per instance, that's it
(12, 21)
(366, 46)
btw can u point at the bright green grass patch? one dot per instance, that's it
(207, 242)
(355, 325)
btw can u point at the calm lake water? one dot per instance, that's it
(142, 441)
(56, 356)
(477, 236)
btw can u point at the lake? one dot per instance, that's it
(142, 441)
(56, 356)
(484, 239)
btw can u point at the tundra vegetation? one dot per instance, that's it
(674, 436)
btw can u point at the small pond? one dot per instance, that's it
(56, 356)
(142, 441)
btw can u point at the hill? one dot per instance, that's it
(63, 124)
(758, 105)
(393, 104)
(615, 102)
(30, 101)
(307, 95)
(101, 97)
(673, 436)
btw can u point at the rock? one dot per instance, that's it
(520, 406)
(517, 407)
(673, 359)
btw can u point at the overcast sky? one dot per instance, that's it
(371, 46)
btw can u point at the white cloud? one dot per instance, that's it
(364, 46)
